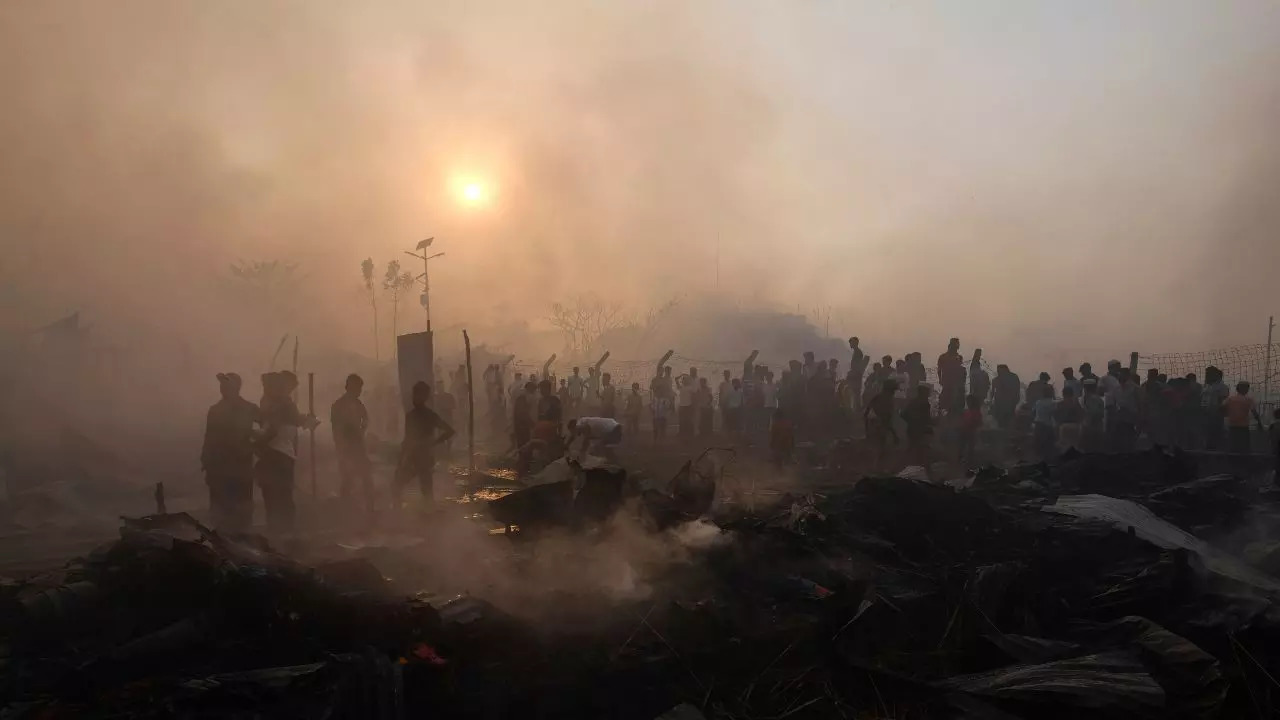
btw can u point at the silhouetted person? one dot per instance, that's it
(857, 369)
(979, 378)
(227, 456)
(633, 407)
(1194, 412)
(686, 412)
(1042, 413)
(1123, 412)
(577, 389)
(566, 401)
(1109, 389)
(703, 408)
(782, 438)
(878, 417)
(1178, 411)
(608, 396)
(277, 449)
(522, 420)
(916, 372)
(592, 387)
(970, 426)
(918, 416)
(722, 400)
(768, 398)
(1238, 409)
(423, 430)
(951, 377)
(1273, 439)
(1069, 380)
(733, 410)
(349, 420)
(1006, 391)
(871, 386)
(1036, 388)
(549, 413)
(1213, 396)
(517, 387)
(1093, 432)
(1069, 416)
(1086, 372)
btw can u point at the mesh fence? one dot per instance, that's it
(1254, 364)
(625, 372)
(1239, 363)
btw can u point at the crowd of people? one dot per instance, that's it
(247, 444)
(818, 400)
(814, 400)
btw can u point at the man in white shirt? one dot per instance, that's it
(769, 391)
(722, 396)
(600, 436)
(684, 411)
(516, 389)
(577, 388)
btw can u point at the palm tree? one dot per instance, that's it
(397, 283)
(366, 269)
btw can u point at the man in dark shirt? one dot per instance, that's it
(522, 425)
(1006, 391)
(350, 419)
(857, 368)
(1086, 373)
(608, 396)
(227, 456)
(549, 413)
(878, 418)
(979, 380)
(951, 376)
(423, 430)
(918, 417)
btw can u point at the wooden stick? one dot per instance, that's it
(471, 407)
(276, 354)
(311, 411)
(295, 391)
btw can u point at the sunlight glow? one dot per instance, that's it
(472, 192)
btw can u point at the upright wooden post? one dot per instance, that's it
(471, 407)
(311, 411)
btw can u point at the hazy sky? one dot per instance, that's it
(1093, 176)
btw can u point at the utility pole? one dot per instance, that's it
(426, 259)
(1266, 371)
(717, 260)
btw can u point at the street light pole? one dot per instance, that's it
(426, 280)
(1266, 372)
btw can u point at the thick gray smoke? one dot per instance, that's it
(1041, 181)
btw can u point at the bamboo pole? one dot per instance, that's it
(471, 407)
(311, 411)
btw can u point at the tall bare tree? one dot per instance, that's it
(397, 283)
(271, 285)
(366, 270)
(584, 319)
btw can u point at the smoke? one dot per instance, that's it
(1043, 182)
(559, 577)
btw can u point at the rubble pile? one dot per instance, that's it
(1077, 590)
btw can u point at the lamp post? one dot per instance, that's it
(426, 280)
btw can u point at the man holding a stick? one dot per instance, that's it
(277, 448)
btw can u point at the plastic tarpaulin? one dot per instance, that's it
(1125, 514)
